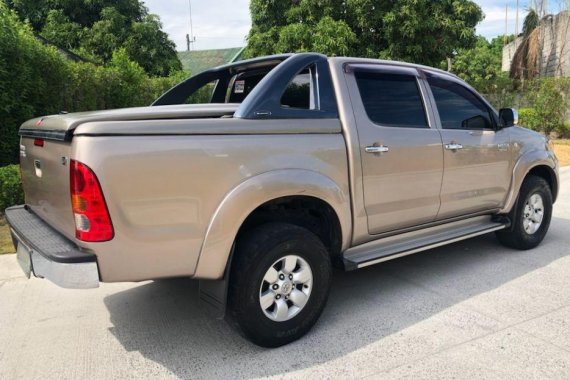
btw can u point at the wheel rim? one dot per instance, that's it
(285, 288)
(533, 213)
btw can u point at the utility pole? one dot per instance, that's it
(506, 20)
(190, 38)
(517, 21)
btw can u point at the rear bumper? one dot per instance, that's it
(47, 254)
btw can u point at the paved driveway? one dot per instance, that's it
(472, 309)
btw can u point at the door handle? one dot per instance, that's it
(376, 149)
(503, 146)
(453, 146)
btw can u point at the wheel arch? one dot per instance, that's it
(549, 175)
(255, 193)
(538, 163)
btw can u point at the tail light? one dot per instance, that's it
(92, 220)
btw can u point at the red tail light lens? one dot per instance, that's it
(39, 142)
(92, 220)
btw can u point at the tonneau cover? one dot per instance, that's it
(60, 127)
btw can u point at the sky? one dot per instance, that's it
(225, 23)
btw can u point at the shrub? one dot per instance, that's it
(564, 130)
(549, 103)
(529, 119)
(36, 80)
(10, 188)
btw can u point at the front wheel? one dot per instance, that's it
(279, 283)
(531, 216)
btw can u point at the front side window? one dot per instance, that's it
(458, 107)
(392, 100)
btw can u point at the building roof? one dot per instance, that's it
(197, 61)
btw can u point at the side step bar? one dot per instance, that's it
(404, 244)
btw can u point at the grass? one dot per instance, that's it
(562, 150)
(5, 238)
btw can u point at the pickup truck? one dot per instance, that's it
(298, 163)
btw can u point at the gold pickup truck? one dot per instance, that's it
(297, 163)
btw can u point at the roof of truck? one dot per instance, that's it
(272, 59)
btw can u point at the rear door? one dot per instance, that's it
(401, 152)
(477, 156)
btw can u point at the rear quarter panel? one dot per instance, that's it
(162, 191)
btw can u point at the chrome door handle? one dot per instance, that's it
(453, 146)
(503, 146)
(376, 149)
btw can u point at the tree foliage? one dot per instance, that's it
(96, 29)
(419, 31)
(549, 104)
(480, 66)
(38, 80)
(524, 64)
(10, 190)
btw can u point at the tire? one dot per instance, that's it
(527, 235)
(276, 245)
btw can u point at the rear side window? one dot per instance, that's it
(392, 100)
(458, 107)
(298, 93)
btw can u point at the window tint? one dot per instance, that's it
(391, 100)
(298, 93)
(458, 107)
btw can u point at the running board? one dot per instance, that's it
(404, 244)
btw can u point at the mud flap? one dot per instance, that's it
(213, 295)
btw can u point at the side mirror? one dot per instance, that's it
(508, 117)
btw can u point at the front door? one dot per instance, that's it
(401, 154)
(477, 156)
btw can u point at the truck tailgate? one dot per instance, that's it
(45, 177)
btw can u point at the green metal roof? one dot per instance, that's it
(199, 60)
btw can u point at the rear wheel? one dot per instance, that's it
(531, 216)
(279, 283)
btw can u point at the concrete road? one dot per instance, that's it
(469, 310)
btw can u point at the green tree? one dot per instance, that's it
(420, 31)
(96, 29)
(481, 65)
(36, 80)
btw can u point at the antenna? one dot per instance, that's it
(190, 38)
